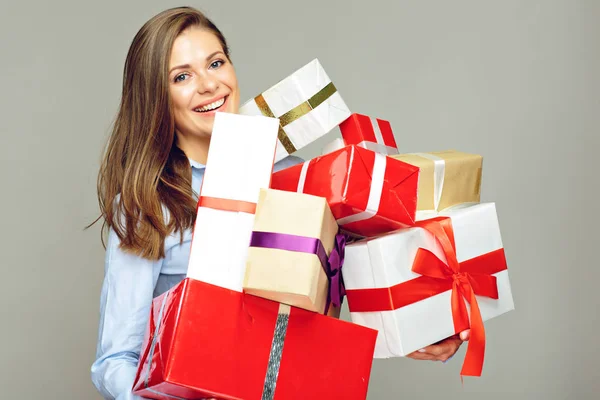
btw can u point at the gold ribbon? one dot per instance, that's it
(295, 113)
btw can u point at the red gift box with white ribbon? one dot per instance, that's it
(371, 133)
(368, 193)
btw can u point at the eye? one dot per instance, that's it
(181, 77)
(216, 64)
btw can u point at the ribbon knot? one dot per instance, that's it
(333, 270)
(462, 280)
(460, 277)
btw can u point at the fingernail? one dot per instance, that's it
(449, 358)
(421, 350)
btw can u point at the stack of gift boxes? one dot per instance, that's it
(402, 237)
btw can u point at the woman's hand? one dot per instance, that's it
(442, 350)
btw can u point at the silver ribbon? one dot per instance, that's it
(164, 394)
(279, 333)
(153, 346)
(155, 338)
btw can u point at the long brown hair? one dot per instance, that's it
(144, 183)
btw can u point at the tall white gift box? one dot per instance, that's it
(239, 164)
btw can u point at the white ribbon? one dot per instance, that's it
(375, 147)
(439, 170)
(377, 130)
(302, 179)
(377, 178)
(378, 147)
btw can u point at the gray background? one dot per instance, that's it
(515, 81)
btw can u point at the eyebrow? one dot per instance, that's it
(184, 66)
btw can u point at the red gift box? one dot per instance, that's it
(368, 193)
(205, 341)
(371, 133)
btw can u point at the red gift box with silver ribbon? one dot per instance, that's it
(205, 341)
(368, 193)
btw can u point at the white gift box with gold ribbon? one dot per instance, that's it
(307, 104)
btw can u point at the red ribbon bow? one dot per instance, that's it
(466, 283)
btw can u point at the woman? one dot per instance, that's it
(177, 75)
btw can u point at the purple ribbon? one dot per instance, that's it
(332, 264)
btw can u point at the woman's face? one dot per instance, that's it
(202, 81)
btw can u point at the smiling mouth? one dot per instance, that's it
(212, 106)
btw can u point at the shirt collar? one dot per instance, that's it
(196, 164)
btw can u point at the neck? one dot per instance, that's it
(195, 148)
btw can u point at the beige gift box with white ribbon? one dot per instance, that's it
(446, 178)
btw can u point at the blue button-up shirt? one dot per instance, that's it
(130, 284)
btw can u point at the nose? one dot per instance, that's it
(207, 84)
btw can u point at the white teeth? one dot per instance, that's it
(211, 106)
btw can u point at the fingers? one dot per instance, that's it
(441, 351)
(429, 357)
(421, 356)
(437, 350)
(465, 335)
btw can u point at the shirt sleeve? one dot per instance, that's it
(125, 301)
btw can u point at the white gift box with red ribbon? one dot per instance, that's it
(380, 270)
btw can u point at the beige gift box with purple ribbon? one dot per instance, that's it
(290, 251)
